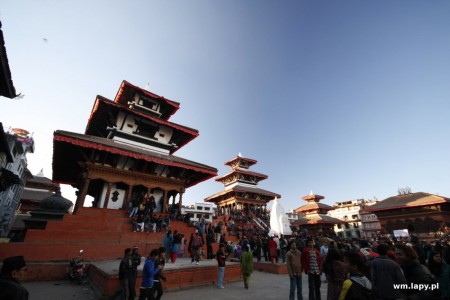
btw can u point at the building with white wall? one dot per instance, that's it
(197, 210)
(13, 175)
(349, 212)
(371, 226)
(293, 216)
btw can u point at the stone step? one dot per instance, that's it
(88, 226)
(90, 211)
(54, 252)
(94, 218)
(106, 237)
(103, 234)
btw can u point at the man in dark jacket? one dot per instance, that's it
(147, 290)
(265, 248)
(13, 272)
(415, 273)
(385, 272)
(124, 274)
(209, 241)
(160, 262)
(258, 247)
(135, 262)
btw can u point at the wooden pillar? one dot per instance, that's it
(180, 200)
(165, 202)
(107, 196)
(128, 197)
(81, 196)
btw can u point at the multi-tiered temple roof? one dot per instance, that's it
(241, 187)
(315, 218)
(127, 150)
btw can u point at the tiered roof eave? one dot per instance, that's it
(317, 219)
(74, 140)
(407, 201)
(241, 171)
(250, 161)
(313, 206)
(102, 101)
(227, 193)
(125, 84)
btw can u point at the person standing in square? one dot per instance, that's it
(246, 260)
(294, 267)
(312, 265)
(13, 273)
(221, 256)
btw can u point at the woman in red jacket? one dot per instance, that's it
(273, 250)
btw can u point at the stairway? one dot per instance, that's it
(103, 234)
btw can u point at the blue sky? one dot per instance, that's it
(349, 99)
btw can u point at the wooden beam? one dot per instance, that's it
(107, 196)
(81, 196)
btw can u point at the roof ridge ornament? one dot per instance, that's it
(404, 191)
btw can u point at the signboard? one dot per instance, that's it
(401, 233)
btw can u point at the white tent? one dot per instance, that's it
(279, 222)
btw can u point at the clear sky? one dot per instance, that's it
(349, 99)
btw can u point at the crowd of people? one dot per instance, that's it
(143, 216)
(353, 269)
(379, 268)
(376, 270)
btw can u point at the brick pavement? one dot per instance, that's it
(262, 286)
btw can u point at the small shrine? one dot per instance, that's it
(241, 191)
(127, 151)
(315, 219)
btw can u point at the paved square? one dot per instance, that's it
(262, 286)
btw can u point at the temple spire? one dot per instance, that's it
(41, 173)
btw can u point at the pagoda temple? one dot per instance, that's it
(241, 191)
(315, 219)
(423, 214)
(127, 151)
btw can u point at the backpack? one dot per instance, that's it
(357, 291)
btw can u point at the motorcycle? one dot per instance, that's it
(77, 270)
